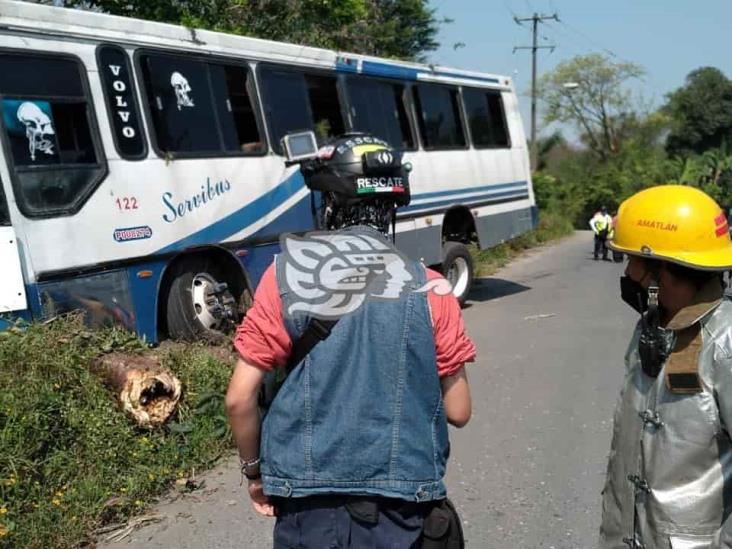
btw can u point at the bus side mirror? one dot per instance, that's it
(300, 146)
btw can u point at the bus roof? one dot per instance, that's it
(69, 23)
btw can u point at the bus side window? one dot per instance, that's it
(438, 111)
(486, 118)
(179, 96)
(48, 122)
(401, 94)
(286, 103)
(296, 101)
(325, 106)
(200, 108)
(236, 113)
(378, 108)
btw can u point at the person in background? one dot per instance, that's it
(601, 224)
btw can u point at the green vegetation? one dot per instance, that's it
(701, 113)
(404, 29)
(551, 226)
(623, 145)
(588, 92)
(70, 460)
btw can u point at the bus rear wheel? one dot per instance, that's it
(200, 303)
(457, 268)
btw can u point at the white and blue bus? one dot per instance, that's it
(142, 176)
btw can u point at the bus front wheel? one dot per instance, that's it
(200, 303)
(457, 268)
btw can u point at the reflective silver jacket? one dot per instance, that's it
(669, 476)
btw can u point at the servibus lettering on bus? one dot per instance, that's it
(178, 208)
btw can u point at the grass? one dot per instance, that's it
(551, 226)
(70, 460)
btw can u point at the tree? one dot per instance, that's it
(701, 113)
(718, 162)
(588, 91)
(711, 172)
(405, 29)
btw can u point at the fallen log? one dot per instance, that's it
(147, 392)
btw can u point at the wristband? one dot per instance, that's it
(255, 476)
(249, 468)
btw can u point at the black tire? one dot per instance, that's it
(186, 313)
(457, 267)
(617, 257)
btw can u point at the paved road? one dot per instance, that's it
(528, 469)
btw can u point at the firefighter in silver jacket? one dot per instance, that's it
(669, 476)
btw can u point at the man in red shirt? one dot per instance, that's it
(354, 446)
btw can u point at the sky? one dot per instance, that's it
(669, 38)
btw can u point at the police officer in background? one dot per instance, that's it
(601, 224)
(354, 446)
(669, 476)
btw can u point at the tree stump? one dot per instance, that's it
(147, 392)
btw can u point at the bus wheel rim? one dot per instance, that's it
(206, 304)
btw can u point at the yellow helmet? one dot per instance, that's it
(674, 223)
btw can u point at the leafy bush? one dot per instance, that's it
(579, 183)
(70, 461)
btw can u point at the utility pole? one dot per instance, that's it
(535, 19)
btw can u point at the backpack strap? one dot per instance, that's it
(316, 331)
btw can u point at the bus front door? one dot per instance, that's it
(12, 288)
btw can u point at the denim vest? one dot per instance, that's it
(362, 414)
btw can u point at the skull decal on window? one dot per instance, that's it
(182, 89)
(38, 127)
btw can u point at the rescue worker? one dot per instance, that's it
(354, 446)
(669, 476)
(600, 225)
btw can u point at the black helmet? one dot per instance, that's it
(362, 181)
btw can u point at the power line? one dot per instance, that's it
(589, 40)
(513, 13)
(535, 20)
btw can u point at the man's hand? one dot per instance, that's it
(260, 502)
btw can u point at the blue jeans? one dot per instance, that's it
(324, 523)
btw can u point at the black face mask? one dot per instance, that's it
(634, 294)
